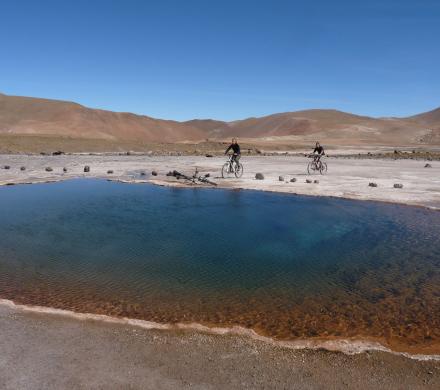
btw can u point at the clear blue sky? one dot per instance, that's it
(224, 59)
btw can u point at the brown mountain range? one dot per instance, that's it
(35, 116)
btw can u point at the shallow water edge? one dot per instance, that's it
(347, 346)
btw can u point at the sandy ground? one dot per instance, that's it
(346, 177)
(55, 352)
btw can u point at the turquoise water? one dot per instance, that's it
(286, 266)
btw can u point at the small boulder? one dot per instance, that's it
(209, 155)
(398, 185)
(64, 169)
(57, 153)
(258, 151)
(142, 173)
(372, 184)
(154, 173)
(109, 172)
(428, 165)
(259, 176)
(316, 181)
(86, 168)
(22, 168)
(308, 181)
(293, 180)
(281, 178)
(7, 167)
(49, 169)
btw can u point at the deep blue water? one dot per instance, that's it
(288, 266)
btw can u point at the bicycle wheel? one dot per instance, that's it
(323, 168)
(226, 171)
(311, 167)
(238, 170)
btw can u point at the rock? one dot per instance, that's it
(109, 172)
(86, 168)
(208, 175)
(154, 173)
(308, 181)
(209, 155)
(281, 178)
(428, 165)
(57, 153)
(142, 173)
(170, 173)
(259, 176)
(398, 185)
(22, 168)
(293, 180)
(49, 169)
(258, 151)
(64, 169)
(316, 181)
(7, 167)
(372, 184)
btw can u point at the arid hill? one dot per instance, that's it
(25, 116)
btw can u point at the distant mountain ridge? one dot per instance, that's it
(26, 115)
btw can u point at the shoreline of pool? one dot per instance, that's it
(347, 178)
(348, 346)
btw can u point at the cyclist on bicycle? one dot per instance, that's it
(318, 152)
(236, 150)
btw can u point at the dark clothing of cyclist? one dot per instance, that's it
(235, 148)
(319, 149)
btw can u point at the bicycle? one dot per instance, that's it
(316, 166)
(232, 167)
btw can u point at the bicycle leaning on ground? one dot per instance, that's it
(232, 167)
(316, 165)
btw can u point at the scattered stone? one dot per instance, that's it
(316, 181)
(428, 165)
(49, 169)
(258, 151)
(372, 184)
(398, 185)
(64, 169)
(209, 155)
(7, 167)
(86, 168)
(22, 168)
(57, 153)
(154, 173)
(259, 176)
(109, 172)
(308, 181)
(293, 180)
(281, 178)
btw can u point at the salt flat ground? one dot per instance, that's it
(46, 351)
(346, 177)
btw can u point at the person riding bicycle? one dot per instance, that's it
(236, 150)
(318, 152)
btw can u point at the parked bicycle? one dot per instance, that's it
(316, 165)
(232, 168)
